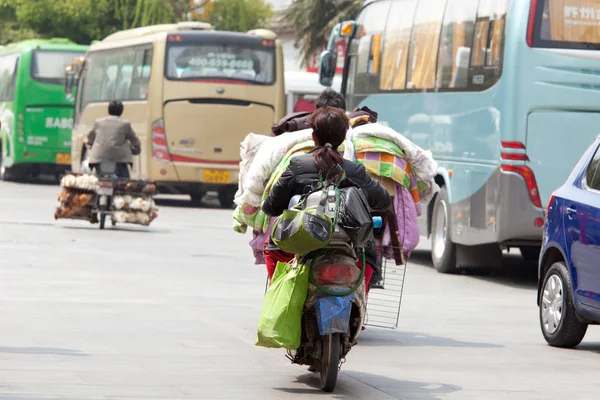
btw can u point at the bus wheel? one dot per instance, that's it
(15, 173)
(226, 197)
(443, 251)
(197, 198)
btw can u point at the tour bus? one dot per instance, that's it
(35, 116)
(302, 90)
(191, 94)
(505, 94)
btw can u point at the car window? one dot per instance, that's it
(592, 174)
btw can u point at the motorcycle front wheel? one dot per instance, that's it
(330, 361)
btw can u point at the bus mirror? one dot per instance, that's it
(327, 67)
(69, 81)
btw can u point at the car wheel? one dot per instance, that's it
(558, 318)
(443, 251)
(530, 253)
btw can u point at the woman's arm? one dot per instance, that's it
(281, 193)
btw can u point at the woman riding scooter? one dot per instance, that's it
(329, 127)
(113, 138)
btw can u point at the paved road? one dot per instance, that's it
(170, 312)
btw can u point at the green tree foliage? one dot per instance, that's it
(82, 20)
(10, 29)
(239, 15)
(313, 21)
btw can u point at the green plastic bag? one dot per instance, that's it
(281, 316)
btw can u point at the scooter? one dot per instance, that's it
(335, 307)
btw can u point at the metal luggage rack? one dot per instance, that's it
(383, 305)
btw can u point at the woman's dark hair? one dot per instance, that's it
(329, 125)
(115, 108)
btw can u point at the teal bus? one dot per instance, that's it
(35, 116)
(506, 95)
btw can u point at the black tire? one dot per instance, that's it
(102, 221)
(15, 173)
(330, 361)
(569, 331)
(444, 257)
(530, 253)
(197, 198)
(226, 197)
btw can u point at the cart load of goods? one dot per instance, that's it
(132, 200)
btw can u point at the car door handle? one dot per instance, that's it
(571, 211)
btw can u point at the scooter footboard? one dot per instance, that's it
(333, 313)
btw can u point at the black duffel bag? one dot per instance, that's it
(354, 216)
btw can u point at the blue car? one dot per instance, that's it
(569, 267)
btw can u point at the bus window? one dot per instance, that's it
(125, 76)
(455, 44)
(395, 45)
(423, 51)
(210, 61)
(488, 45)
(141, 75)
(49, 65)
(8, 75)
(363, 77)
(111, 76)
(568, 24)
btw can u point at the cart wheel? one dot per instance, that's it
(102, 220)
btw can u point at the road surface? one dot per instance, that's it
(170, 312)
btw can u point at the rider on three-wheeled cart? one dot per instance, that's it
(109, 193)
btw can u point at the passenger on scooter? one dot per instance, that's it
(299, 120)
(329, 126)
(113, 137)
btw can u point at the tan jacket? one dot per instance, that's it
(113, 137)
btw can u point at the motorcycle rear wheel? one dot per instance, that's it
(330, 360)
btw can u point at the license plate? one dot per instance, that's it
(105, 191)
(63, 159)
(216, 176)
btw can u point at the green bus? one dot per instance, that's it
(36, 119)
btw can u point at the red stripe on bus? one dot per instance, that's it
(177, 158)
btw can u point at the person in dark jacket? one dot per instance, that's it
(299, 120)
(305, 172)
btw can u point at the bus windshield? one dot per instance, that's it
(49, 65)
(221, 61)
(565, 25)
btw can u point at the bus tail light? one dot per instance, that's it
(531, 24)
(160, 150)
(514, 156)
(529, 177)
